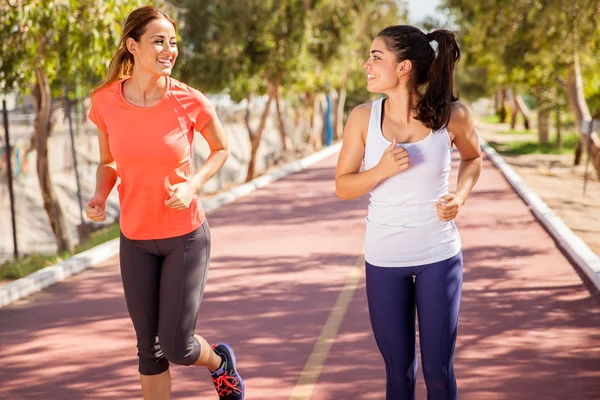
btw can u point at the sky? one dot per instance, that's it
(419, 9)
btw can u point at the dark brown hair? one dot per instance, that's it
(429, 67)
(121, 65)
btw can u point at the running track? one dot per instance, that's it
(286, 290)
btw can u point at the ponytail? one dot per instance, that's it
(434, 107)
(121, 66)
(431, 69)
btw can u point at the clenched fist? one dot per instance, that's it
(448, 206)
(95, 209)
(182, 195)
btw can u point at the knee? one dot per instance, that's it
(182, 352)
(438, 377)
(406, 376)
(151, 358)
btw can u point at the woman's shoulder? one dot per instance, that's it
(459, 112)
(186, 93)
(181, 88)
(461, 120)
(358, 120)
(361, 113)
(107, 93)
(459, 115)
(175, 84)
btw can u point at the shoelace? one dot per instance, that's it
(226, 384)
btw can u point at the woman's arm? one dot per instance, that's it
(466, 141)
(350, 183)
(183, 193)
(215, 136)
(106, 177)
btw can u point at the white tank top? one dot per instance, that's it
(403, 228)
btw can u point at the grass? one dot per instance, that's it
(495, 119)
(491, 119)
(533, 147)
(517, 132)
(15, 269)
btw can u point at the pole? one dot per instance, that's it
(68, 112)
(328, 127)
(11, 192)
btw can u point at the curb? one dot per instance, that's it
(581, 256)
(53, 274)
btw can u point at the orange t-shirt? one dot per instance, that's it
(152, 147)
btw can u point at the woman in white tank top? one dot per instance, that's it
(412, 246)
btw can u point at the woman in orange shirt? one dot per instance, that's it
(146, 122)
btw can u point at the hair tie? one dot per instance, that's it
(432, 42)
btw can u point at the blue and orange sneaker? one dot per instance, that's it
(229, 384)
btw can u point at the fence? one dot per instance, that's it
(18, 162)
(74, 186)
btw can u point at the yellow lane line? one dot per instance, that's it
(312, 369)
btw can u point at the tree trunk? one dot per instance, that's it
(308, 102)
(285, 140)
(497, 101)
(544, 125)
(42, 129)
(574, 90)
(578, 153)
(594, 150)
(519, 106)
(504, 105)
(576, 99)
(339, 114)
(316, 136)
(545, 103)
(514, 110)
(256, 135)
(558, 126)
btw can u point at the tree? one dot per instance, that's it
(246, 47)
(45, 46)
(278, 47)
(338, 37)
(533, 43)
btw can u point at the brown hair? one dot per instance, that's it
(428, 68)
(121, 65)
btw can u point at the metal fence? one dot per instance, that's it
(18, 158)
(76, 143)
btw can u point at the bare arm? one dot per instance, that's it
(350, 183)
(106, 177)
(466, 141)
(214, 135)
(106, 173)
(183, 193)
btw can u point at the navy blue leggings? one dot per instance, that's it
(393, 295)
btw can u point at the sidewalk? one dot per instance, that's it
(282, 258)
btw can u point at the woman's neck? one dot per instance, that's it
(146, 88)
(401, 104)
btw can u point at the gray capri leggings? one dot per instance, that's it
(166, 278)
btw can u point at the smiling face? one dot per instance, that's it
(384, 73)
(156, 51)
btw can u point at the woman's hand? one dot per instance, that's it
(183, 194)
(394, 160)
(448, 206)
(95, 209)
